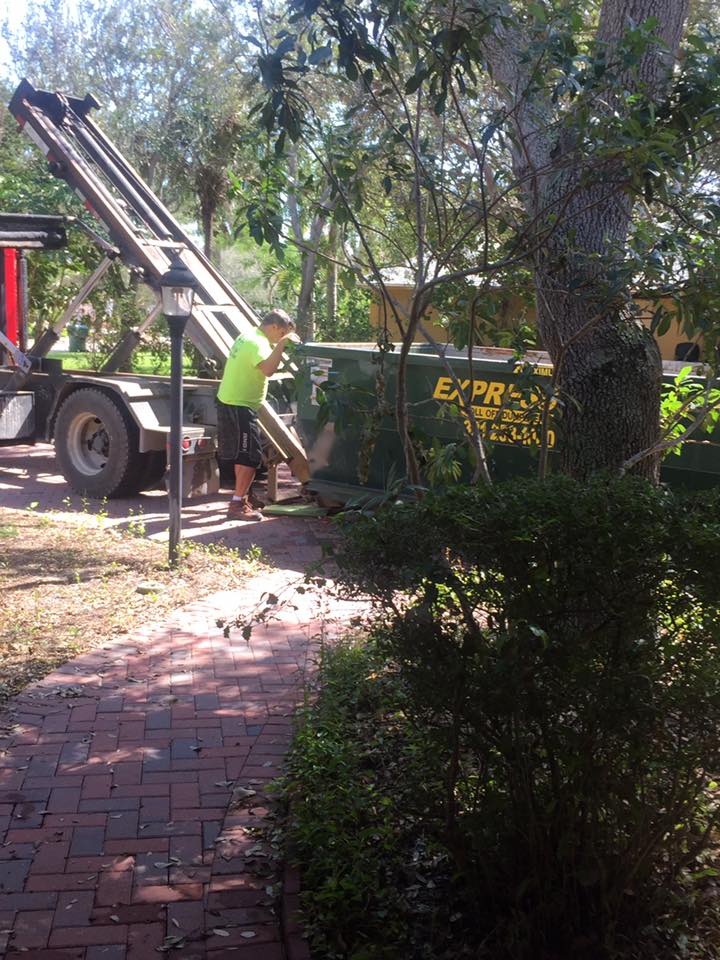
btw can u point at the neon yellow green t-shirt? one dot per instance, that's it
(243, 385)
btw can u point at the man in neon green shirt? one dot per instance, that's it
(253, 358)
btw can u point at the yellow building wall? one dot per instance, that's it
(669, 341)
(381, 314)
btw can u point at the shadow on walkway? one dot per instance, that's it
(29, 478)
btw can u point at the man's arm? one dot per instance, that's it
(269, 366)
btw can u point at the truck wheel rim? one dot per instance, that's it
(88, 444)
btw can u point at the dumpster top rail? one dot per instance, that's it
(538, 358)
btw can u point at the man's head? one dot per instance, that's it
(277, 324)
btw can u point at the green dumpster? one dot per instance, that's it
(77, 336)
(351, 438)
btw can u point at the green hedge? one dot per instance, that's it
(558, 646)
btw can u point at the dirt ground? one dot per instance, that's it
(70, 567)
(30, 480)
(69, 587)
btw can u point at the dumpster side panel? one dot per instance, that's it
(356, 444)
(349, 443)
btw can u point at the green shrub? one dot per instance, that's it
(349, 812)
(560, 648)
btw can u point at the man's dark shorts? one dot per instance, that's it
(239, 435)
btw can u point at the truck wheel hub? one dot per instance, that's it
(99, 442)
(88, 444)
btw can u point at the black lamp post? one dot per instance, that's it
(177, 286)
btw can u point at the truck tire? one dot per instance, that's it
(96, 445)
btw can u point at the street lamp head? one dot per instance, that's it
(177, 286)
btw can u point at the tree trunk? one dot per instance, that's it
(610, 368)
(331, 279)
(308, 246)
(609, 385)
(305, 319)
(292, 200)
(304, 315)
(208, 227)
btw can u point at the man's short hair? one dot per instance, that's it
(280, 318)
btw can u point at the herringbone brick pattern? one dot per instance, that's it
(131, 781)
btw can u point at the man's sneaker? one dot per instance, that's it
(241, 510)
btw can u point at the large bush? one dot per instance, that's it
(561, 648)
(354, 808)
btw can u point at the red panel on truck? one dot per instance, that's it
(12, 312)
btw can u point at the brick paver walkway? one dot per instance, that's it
(131, 780)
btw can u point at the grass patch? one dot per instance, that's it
(70, 587)
(143, 362)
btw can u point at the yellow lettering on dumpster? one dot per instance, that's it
(455, 396)
(539, 369)
(441, 388)
(495, 393)
(504, 413)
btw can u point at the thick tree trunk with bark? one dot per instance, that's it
(609, 385)
(610, 369)
(208, 226)
(331, 278)
(609, 365)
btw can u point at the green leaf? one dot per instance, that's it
(415, 82)
(320, 55)
(253, 40)
(285, 47)
(664, 325)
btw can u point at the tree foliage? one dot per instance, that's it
(561, 150)
(173, 81)
(54, 277)
(170, 79)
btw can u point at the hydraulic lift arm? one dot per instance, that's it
(142, 229)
